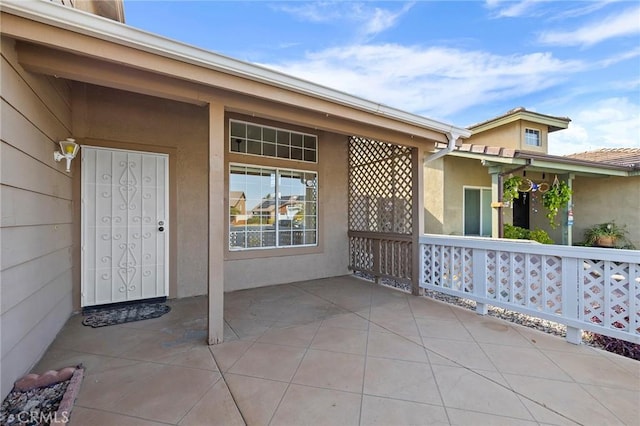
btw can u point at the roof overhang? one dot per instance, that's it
(552, 123)
(55, 31)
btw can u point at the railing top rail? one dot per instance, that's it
(380, 235)
(525, 246)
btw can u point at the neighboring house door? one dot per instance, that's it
(125, 238)
(521, 210)
(477, 211)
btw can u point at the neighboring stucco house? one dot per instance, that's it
(172, 137)
(461, 186)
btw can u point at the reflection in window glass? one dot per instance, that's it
(265, 141)
(270, 208)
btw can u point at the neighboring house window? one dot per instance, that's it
(272, 207)
(254, 139)
(477, 211)
(532, 137)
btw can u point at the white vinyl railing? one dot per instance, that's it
(585, 288)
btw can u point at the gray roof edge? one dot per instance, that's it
(105, 29)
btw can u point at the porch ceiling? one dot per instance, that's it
(78, 52)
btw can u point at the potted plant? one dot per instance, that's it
(606, 234)
(554, 199)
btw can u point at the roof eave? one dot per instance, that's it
(115, 32)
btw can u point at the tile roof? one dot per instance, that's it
(629, 157)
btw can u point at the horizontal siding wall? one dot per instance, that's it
(36, 223)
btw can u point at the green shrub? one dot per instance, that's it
(518, 233)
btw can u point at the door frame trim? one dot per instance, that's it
(171, 260)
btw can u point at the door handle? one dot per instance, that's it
(161, 229)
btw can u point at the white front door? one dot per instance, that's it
(125, 219)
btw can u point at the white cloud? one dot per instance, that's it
(367, 20)
(512, 9)
(432, 81)
(625, 23)
(609, 123)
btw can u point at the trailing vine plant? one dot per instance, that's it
(510, 188)
(554, 199)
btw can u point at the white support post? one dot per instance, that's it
(480, 279)
(217, 217)
(570, 292)
(417, 212)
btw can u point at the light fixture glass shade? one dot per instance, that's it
(69, 147)
(68, 150)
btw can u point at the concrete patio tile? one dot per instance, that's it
(290, 335)
(304, 405)
(165, 396)
(110, 341)
(409, 381)
(347, 320)
(464, 418)
(402, 325)
(249, 329)
(102, 389)
(196, 357)
(492, 330)
(257, 399)
(588, 369)
(333, 370)
(378, 411)
(81, 416)
(55, 359)
(443, 329)
(456, 353)
(159, 346)
(388, 345)
(567, 399)
(268, 361)
(423, 307)
(228, 353)
(466, 390)
(216, 407)
(524, 361)
(340, 340)
(624, 404)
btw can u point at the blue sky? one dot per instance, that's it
(455, 61)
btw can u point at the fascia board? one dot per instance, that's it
(115, 32)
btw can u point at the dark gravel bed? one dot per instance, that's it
(33, 407)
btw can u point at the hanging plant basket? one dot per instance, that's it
(510, 189)
(557, 197)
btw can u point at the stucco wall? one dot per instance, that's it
(330, 258)
(599, 200)
(460, 172)
(433, 196)
(145, 122)
(507, 136)
(35, 229)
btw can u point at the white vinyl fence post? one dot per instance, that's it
(480, 279)
(570, 294)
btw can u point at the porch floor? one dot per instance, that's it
(339, 351)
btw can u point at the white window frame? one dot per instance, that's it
(528, 134)
(276, 145)
(277, 227)
(481, 217)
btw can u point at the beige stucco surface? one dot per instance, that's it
(603, 199)
(36, 226)
(330, 258)
(103, 116)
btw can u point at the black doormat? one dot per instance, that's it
(121, 314)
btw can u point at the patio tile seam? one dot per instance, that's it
(469, 369)
(366, 356)
(290, 382)
(597, 399)
(226, 384)
(102, 410)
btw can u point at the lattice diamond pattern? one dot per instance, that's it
(553, 283)
(593, 290)
(380, 187)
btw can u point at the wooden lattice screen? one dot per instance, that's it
(380, 187)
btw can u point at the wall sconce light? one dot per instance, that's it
(68, 150)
